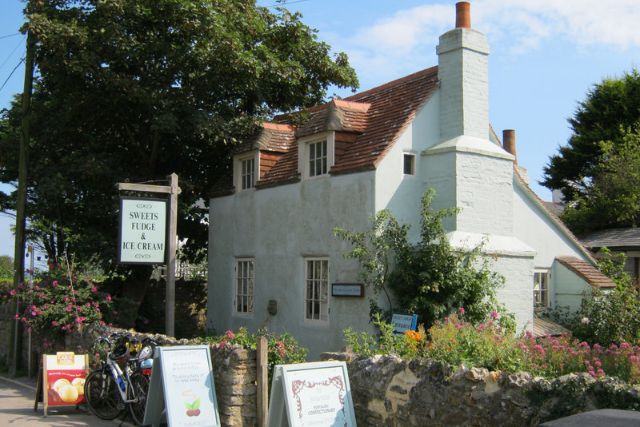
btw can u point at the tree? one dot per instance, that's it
(6, 267)
(135, 90)
(612, 199)
(429, 278)
(611, 108)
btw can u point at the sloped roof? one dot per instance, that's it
(270, 137)
(376, 117)
(545, 327)
(588, 272)
(628, 238)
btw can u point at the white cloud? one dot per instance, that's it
(409, 36)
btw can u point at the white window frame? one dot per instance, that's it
(413, 163)
(316, 305)
(238, 172)
(541, 272)
(305, 145)
(244, 280)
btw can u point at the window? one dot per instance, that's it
(244, 285)
(409, 167)
(247, 173)
(317, 289)
(541, 288)
(318, 158)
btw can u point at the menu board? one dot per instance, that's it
(63, 377)
(182, 388)
(311, 394)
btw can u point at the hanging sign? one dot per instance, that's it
(311, 394)
(182, 389)
(143, 231)
(63, 376)
(347, 289)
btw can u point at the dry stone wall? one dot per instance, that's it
(388, 391)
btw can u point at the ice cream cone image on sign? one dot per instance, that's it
(78, 383)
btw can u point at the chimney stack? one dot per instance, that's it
(463, 71)
(509, 142)
(463, 14)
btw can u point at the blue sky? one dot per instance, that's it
(545, 56)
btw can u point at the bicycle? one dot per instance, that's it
(110, 389)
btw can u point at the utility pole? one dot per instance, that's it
(18, 278)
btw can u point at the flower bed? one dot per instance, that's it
(487, 345)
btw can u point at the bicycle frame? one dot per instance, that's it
(125, 377)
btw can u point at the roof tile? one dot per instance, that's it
(588, 272)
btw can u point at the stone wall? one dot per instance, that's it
(234, 372)
(388, 391)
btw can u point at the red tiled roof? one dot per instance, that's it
(377, 117)
(588, 272)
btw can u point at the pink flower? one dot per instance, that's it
(280, 347)
(94, 290)
(55, 323)
(461, 311)
(495, 315)
(12, 292)
(230, 335)
(539, 349)
(34, 313)
(222, 344)
(55, 284)
(625, 345)
(17, 316)
(108, 297)
(80, 319)
(69, 308)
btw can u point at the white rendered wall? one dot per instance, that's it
(401, 193)
(517, 293)
(570, 288)
(534, 227)
(484, 194)
(279, 227)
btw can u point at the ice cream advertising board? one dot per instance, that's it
(63, 378)
(182, 388)
(311, 394)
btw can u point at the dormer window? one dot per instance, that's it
(245, 170)
(318, 158)
(248, 173)
(316, 154)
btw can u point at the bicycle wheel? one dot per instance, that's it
(101, 393)
(139, 386)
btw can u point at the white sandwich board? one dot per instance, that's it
(311, 394)
(182, 389)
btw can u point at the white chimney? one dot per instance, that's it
(463, 72)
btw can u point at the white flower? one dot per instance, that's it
(585, 321)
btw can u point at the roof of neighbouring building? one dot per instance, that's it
(622, 238)
(554, 207)
(586, 271)
(545, 327)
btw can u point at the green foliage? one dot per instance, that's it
(610, 107)
(606, 317)
(487, 345)
(429, 278)
(375, 250)
(612, 198)
(283, 349)
(6, 268)
(408, 345)
(58, 303)
(136, 90)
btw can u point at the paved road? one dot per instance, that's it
(16, 409)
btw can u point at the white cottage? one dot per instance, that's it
(273, 258)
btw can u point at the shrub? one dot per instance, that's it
(59, 303)
(488, 345)
(606, 317)
(429, 278)
(282, 349)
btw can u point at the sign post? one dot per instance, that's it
(148, 234)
